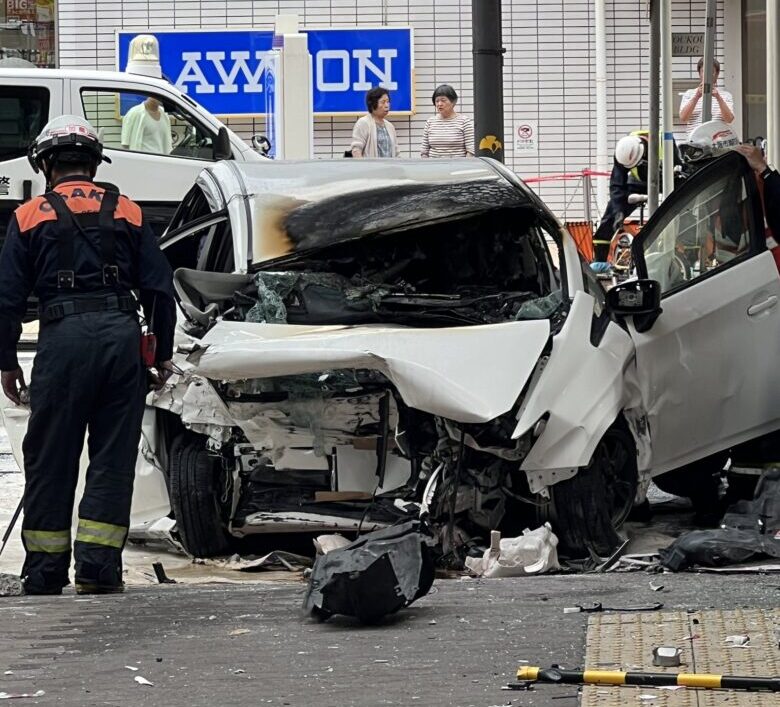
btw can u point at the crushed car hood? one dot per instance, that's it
(467, 374)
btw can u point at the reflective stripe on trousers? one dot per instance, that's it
(92, 531)
(51, 541)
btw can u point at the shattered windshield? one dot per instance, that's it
(481, 268)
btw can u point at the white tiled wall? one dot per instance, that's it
(549, 74)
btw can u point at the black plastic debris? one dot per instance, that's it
(378, 574)
(750, 529)
(159, 572)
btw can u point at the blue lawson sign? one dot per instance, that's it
(224, 69)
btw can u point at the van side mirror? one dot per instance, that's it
(640, 299)
(222, 149)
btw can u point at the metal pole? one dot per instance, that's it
(773, 81)
(488, 78)
(668, 96)
(587, 196)
(619, 677)
(603, 163)
(709, 60)
(653, 111)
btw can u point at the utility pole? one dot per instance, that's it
(773, 82)
(654, 75)
(709, 60)
(488, 78)
(668, 97)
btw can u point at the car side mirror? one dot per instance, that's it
(262, 144)
(222, 149)
(640, 299)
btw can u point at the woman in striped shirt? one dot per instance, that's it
(447, 134)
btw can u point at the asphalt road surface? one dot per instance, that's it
(250, 645)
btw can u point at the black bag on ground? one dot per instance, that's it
(376, 575)
(751, 529)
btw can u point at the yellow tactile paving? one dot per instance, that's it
(626, 642)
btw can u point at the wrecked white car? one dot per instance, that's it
(365, 341)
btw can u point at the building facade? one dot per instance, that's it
(549, 71)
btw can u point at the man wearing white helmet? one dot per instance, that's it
(629, 176)
(82, 250)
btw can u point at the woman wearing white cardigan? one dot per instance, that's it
(373, 136)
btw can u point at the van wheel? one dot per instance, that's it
(586, 511)
(195, 491)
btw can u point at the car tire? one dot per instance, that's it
(586, 511)
(194, 491)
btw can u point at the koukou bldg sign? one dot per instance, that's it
(224, 70)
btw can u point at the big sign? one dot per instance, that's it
(224, 69)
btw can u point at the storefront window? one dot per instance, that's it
(754, 67)
(27, 31)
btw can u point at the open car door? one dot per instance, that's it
(709, 367)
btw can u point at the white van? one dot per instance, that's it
(29, 98)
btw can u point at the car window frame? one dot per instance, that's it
(695, 184)
(44, 90)
(164, 99)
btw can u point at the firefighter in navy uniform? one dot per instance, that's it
(83, 250)
(628, 177)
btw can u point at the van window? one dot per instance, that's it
(24, 110)
(144, 122)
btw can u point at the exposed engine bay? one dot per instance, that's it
(339, 447)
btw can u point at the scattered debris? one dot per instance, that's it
(518, 686)
(656, 587)
(667, 656)
(10, 585)
(143, 681)
(325, 543)
(276, 560)
(239, 632)
(377, 574)
(740, 641)
(131, 667)
(19, 695)
(533, 552)
(159, 572)
(597, 607)
(239, 671)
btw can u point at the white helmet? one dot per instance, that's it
(629, 151)
(69, 138)
(710, 139)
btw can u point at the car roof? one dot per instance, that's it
(84, 75)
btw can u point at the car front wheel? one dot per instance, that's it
(195, 490)
(587, 510)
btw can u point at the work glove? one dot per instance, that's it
(157, 375)
(14, 387)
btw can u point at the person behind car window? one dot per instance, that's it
(447, 134)
(691, 105)
(147, 128)
(373, 135)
